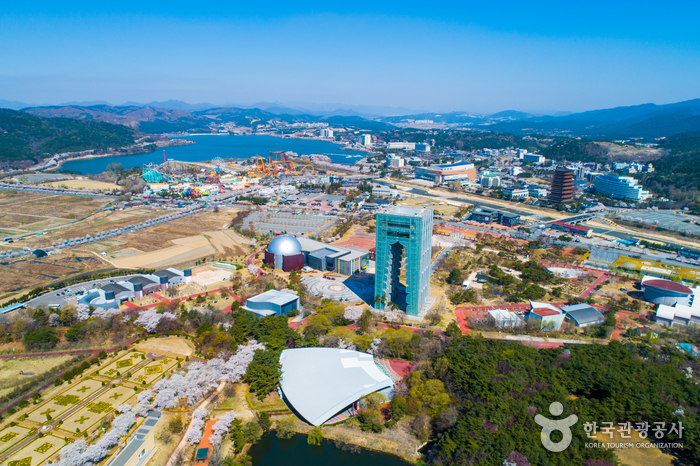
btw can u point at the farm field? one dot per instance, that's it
(152, 371)
(176, 242)
(118, 367)
(22, 211)
(18, 275)
(80, 183)
(10, 370)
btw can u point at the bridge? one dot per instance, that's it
(575, 220)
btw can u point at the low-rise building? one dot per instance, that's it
(583, 315)
(272, 303)
(545, 316)
(458, 171)
(501, 318)
(483, 215)
(537, 191)
(516, 192)
(490, 181)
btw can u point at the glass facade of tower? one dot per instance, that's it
(403, 233)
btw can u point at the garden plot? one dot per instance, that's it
(11, 436)
(94, 411)
(151, 372)
(121, 366)
(64, 401)
(37, 452)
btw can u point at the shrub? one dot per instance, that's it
(286, 427)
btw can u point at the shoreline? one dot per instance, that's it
(96, 156)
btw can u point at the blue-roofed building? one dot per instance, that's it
(272, 303)
(583, 315)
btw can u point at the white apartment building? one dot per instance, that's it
(621, 187)
(326, 133)
(366, 140)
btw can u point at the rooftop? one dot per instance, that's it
(407, 211)
(274, 296)
(667, 285)
(583, 313)
(544, 312)
(321, 382)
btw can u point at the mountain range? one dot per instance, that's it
(643, 121)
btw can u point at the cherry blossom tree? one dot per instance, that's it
(53, 319)
(353, 313)
(194, 433)
(79, 453)
(221, 427)
(83, 311)
(150, 319)
(374, 347)
(106, 314)
(342, 344)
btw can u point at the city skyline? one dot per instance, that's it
(474, 58)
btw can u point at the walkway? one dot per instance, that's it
(435, 263)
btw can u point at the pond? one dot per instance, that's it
(271, 451)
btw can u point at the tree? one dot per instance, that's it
(76, 331)
(365, 321)
(264, 372)
(455, 276)
(286, 427)
(44, 337)
(264, 420)
(252, 432)
(175, 424)
(221, 428)
(453, 330)
(315, 437)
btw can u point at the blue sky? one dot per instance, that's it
(439, 56)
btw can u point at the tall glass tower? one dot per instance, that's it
(403, 233)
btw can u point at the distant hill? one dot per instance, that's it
(647, 120)
(24, 138)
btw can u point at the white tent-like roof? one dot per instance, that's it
(321, 382)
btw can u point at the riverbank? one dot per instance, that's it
(396, 441)
(170, 143)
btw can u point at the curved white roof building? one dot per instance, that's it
(322, 382)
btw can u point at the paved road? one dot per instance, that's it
(439, 257)
(71, 411)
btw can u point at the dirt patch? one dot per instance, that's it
(78, 183)
(185, 249)
(208, 275)
(636, 456)
(167, 345)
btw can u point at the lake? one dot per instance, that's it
(271, 451)
(208, 147)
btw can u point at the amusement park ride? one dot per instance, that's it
(278, 164)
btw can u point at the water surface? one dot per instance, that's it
(271, 451)
(208, 147)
